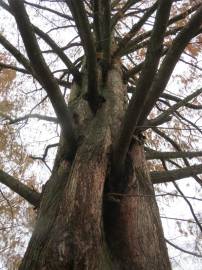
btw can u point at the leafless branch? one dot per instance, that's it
(183, 250)
(147, 75)
(177, 174)
(43, 72)
(21, 189)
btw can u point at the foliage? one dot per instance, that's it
(31, 121)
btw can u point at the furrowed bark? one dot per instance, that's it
(49, 206)
(132, 223)
(80, 242)
(72, 229)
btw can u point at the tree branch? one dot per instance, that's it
(133, 44)
(97, 23)
(178, 148)
(18, 55)
(21, 189)
(147, 75)
(169, 155)
(142, 40)
(65, 16)
(189, 205)
(72, 69)
(27, 116)
(106, 34)
(43, 73)
(122, 11)
(166, 69)
(158, 120)
(183, 250)
(59, 51)
(124, 41)
(79, 14)
(7, 66)
(24, 71)
(177, 99)
(177, 174)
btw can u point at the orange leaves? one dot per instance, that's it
(6, 75)
(5, 106)
(194, 49)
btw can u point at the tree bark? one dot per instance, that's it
(132, 221)
(85, 227)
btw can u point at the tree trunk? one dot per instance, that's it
(80, 225)
(132, 221)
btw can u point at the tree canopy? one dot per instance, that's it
(48, 47)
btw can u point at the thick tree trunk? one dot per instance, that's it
(71, 232)
(132, 221)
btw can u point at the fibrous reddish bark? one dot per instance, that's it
(134, 230)
(128, 234)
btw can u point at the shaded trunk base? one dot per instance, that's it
(132, 221)
(128, 236)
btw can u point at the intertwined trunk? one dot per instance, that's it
(87, 221)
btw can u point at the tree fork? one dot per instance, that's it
(77, 232)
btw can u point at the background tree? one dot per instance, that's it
(99, 70)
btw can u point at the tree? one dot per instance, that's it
(98, 209)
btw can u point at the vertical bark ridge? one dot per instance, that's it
(77, 238)
(132, 221)
(79, 244)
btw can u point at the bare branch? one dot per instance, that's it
(17, 54)
(170, 155)
(180, 219)
(50, 42)
(142, 40)
(190, 206)
(97, 23)
(49, 10)
(158, 120)
(7, 66)
(121, 12)
(21, 189)
(183, 250)
(106, 34)
(147, 75)
(124, 41)
(72, 69)
(178, 148)
(25, 71)
(43, 73)
(79, 14)
(177, 99)
(184, 14)
(46, 152)
(134, 44)
(177, 174)
(173, 55)
(27, 116)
